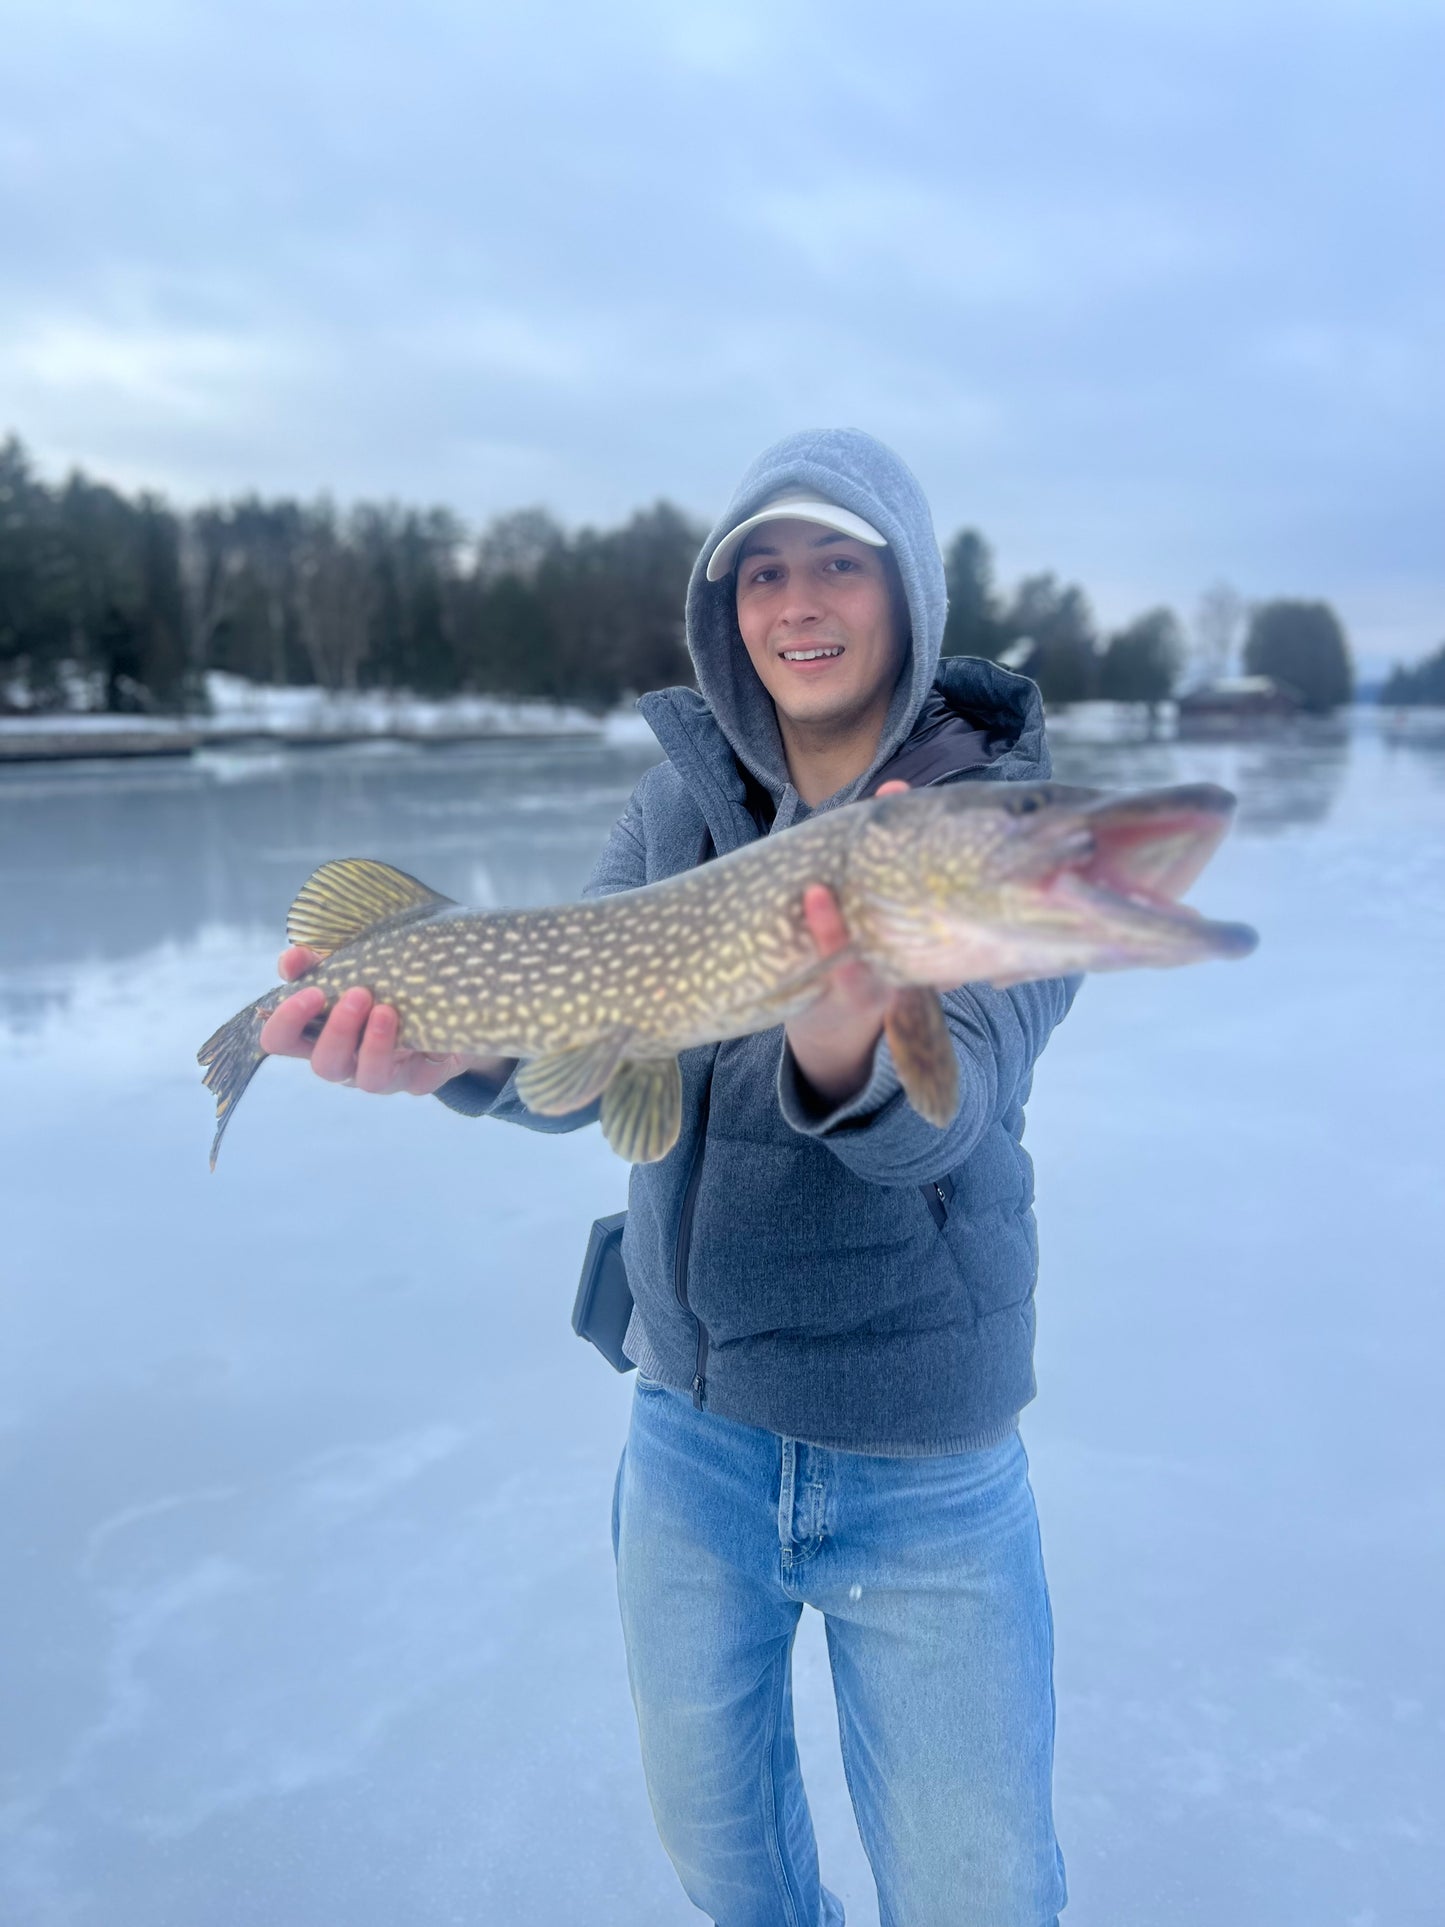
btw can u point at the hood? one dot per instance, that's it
(845, 466)
(977, 716)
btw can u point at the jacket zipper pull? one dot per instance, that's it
(936, 1198)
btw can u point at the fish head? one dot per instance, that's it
(1008, 882)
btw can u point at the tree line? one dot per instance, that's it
(1046, 629)
(123, 603)
(118, 603)
(1424, 683)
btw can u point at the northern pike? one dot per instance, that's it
(996, 883)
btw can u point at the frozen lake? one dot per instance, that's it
(308, 1613)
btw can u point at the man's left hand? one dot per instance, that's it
(834, 1039)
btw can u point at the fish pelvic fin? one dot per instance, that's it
(233, 1056)
(923, 1054)
(642, 1109)
(350, 896)
(566, 1080)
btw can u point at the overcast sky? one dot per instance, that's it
(1151, 294)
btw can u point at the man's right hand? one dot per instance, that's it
(357, 1043)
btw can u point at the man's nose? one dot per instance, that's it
(801, 605)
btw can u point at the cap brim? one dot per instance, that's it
(826, 514)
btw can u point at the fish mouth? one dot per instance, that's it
(1134, 856)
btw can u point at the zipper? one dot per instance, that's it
(684, 1241)
(937, 1195)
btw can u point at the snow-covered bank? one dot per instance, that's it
(238, 707)
(240, 710)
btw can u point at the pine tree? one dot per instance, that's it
(1301, 644)
(1424, 683)
(1141, 663)
(973, 627)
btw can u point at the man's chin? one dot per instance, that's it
(820, 709)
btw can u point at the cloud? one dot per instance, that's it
(1144, 294)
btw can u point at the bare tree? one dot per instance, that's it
(334, 594)
(1218, 627)
(213, 567)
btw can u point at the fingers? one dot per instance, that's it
(356, 1044)
(296, 961)
(376, 1066)
(829, 932)
(283, 1033)
(852, 984)
(333, 1056)
(824, 919)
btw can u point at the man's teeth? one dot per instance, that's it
(810, 655)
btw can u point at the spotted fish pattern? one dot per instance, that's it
(598, 997)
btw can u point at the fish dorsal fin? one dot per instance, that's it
(567, 1079)
(642, 1109)
(344, 899)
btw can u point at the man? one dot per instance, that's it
(833, 1315)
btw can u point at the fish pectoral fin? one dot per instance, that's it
(642, 1109)
(923, 1055)
(345, 898)
(568, 1079)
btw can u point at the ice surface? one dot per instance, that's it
(308, 1613)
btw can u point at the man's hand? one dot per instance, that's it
(834, 1039)
(357, 1044)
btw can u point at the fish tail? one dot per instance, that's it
(233, 1056)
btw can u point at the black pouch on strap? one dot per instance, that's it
(604, 1297)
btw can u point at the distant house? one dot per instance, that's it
(1237, 701)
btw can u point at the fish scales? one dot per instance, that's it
(995, 883)
(716, 946)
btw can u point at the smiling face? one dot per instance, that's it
(822, 623)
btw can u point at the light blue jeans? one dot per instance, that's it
(930, 1578)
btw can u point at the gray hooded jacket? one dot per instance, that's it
(861, 1278)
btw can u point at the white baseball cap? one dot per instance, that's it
(793, 504)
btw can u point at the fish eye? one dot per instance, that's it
(1024, 805)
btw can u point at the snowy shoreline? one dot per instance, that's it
(242, 712)
(311, 718)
